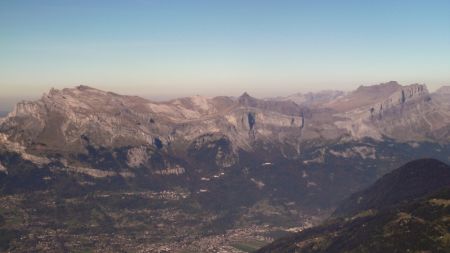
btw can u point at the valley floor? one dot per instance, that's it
(125, 222)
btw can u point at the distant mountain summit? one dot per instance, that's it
(312, 98)
(407, 210)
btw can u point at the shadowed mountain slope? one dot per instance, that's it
(407, 210)
(413, 180)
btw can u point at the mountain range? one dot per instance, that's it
(192, 169)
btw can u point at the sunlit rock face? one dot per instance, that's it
(403, 113)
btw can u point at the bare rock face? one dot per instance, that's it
(365, 96)
(403, 113)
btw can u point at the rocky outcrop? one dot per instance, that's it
(137, 157)
(214, 150)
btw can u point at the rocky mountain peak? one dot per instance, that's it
(72, 95)
(244, 97)
(245, 94)
(84, 87)
(247, 100)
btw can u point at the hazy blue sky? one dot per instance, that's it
(172, 48)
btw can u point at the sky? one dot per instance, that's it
(168, 48)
